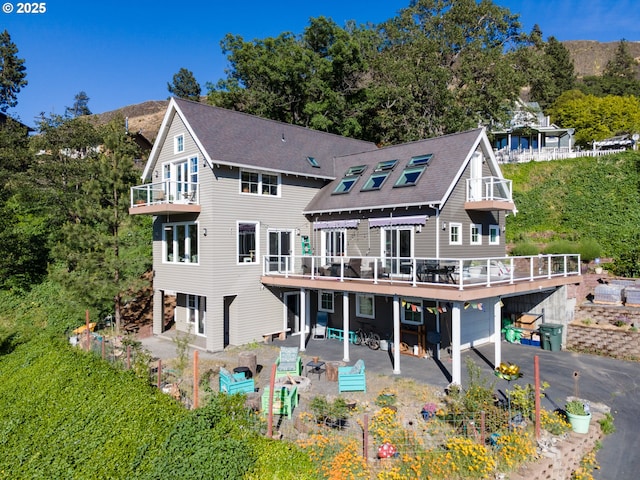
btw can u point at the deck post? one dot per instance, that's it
(345, 324)
(396, 335)
(304, 319)
(497, 332)
(456, 360)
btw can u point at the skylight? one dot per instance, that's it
(375, 181)
(357, 170)
(314, 163)
(420, 160)
(385, 166)
(410, 176)
(346, 184)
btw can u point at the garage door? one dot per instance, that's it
(475, 327)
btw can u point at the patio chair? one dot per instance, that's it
(352, 379)
(320, 330)
(231, 383)
(288, 362)
(284, 400)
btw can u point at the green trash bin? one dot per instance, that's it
(551, 336)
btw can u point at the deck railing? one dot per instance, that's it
(489, 188)
(167, 191)
(445, 272)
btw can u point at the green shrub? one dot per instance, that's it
(560, 247)
(216, 441)
(68, 414)
(606, 424)
(524, 249)
(589, 250)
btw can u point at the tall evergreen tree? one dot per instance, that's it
(185, 85)
(12, 73)
(80, 106)
(94, 246)
(553, 75)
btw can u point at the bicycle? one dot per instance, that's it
(370, 339)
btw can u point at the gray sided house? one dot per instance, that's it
(260, 225)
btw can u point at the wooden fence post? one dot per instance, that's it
(365, 435)
(159, 373)
(536, 377)
(195, 379)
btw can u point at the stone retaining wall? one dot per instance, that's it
(601, 336)
(559, 461)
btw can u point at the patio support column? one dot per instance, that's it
(497, 334)
(396, 335)
(345, 324)
(304, 318)
(158, 311)
(438, 327)
(456, 361)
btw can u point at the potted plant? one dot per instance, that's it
(578, 415)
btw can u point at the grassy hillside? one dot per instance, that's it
(582, 198)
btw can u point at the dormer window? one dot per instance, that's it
(178, 144)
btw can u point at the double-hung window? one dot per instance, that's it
(325, 301)
(180, 242)
(455, 234)
(475, 234)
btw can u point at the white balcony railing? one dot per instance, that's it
(489, 188)
(445, 272)
(165, 192)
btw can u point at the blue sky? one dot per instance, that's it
(126, 52)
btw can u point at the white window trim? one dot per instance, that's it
(479, 227)
(496, 229)
(260, 174)
(373, 306)
(189, 255)
(333, 301)
(403, 311)
(459, 227)
(176, 150)
(256, 254)
(198, 312)
(328, 257)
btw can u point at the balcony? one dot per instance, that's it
(489, 194)
(447, 279)
(165, 198)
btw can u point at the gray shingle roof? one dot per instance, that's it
(450, 152)
(235, 138)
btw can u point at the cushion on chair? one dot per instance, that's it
(357, 367)
(288, 358)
